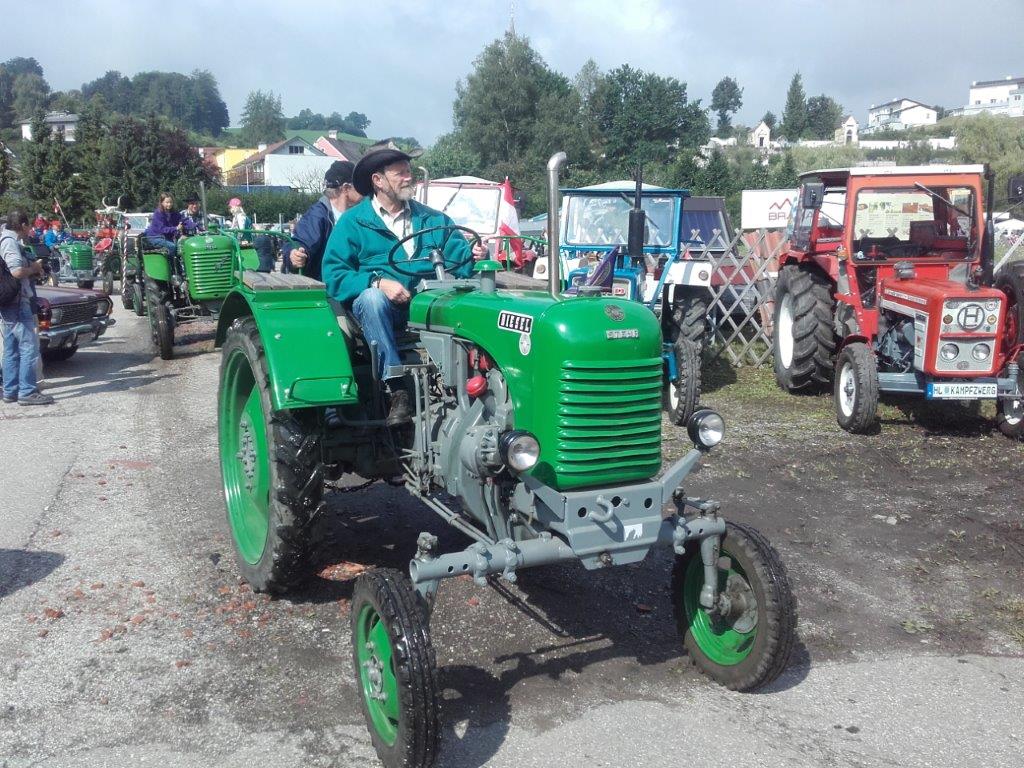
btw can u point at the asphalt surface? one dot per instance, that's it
(127, 638)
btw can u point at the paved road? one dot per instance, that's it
(126, 638)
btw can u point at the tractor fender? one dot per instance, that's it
(307, 357)
(157, 266)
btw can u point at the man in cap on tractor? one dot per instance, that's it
(355, 263)
(316, 224)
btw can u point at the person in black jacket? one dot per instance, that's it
(316, 224)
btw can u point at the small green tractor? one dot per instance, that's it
(191, 286)
(537, 433)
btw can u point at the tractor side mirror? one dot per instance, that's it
(811, 195)
(1015, 191)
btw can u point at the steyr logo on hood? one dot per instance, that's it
(614, 313)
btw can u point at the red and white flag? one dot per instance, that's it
(508, 221)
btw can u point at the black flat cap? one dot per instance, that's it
(371, 163)
(339, 173)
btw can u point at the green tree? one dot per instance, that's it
(115, 88)
(262, 120)
(449, 155)
(784, 175)
(31, 93)
(994, 139)
(356, 123)
(726, 99)
(823, 116)
(794, 116)
(770, 120)
(208, 113)
(6, 170)
(644, 117)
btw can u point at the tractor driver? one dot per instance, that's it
(192, 217)
(355, 263)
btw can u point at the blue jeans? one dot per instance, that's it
(163, 242)
(379, 319)
(21, 350)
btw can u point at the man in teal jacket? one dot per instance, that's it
(356, 268)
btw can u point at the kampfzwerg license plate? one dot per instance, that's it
(944, 390)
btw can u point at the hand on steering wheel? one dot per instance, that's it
(449, 229)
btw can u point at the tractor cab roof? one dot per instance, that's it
(838, 176)
(624, 186)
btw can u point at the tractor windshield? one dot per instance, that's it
(910, 222)
(604, 220)
(470, 206)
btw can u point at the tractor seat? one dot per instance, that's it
(354, 339)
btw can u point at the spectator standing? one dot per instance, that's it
(266, 249)
(18, 320)
(316, 224)
(239, 219)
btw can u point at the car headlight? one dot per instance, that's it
(706, 428)
(102, 308)
(949, 351)
(519, 450)
(55, 315)
(981, 351)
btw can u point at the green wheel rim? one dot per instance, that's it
(717, 637)
(244, 458)
(377, 673)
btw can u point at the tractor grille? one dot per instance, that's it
(74, 314)
(210, 276)
(80, 260)
(609, 420)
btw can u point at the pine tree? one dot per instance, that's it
(794, 116)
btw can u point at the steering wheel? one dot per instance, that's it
(449, 229)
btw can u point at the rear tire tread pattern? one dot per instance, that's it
(687, 354)
(814, 342)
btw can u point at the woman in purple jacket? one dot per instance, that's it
(166, 225)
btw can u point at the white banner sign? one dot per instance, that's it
(766, 208)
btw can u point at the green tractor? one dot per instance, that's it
(194, 284)
(77, 263)
(537, 434)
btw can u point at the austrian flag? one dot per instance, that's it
(508, 222)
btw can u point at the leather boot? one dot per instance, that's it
(400, 409)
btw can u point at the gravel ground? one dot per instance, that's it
(127, 638)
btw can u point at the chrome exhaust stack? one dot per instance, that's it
(555, 164)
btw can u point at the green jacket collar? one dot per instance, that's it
(365, 213)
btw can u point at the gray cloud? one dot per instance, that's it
(398, 61)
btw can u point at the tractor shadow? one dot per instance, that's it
(94, 370)
(20, 568)
(716, 373)
(938, 418)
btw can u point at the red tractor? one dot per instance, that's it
(887, 286)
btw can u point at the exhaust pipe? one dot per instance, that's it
(425, 189)
(555, 164)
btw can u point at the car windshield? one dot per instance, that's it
(604, 220)
(913, 221)
(473, 207)
(137, 220)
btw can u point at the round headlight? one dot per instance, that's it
(55, 315)
(102, 308)
(981, 351)
(519, 450)
(949, 351)
(706, 428)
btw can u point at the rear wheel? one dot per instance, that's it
(803, 341)
(682, 395)
(59, 354)
(396, 669)
(270, 467)
(108, 283)
(126, 295)
(160, 322)
(856, 389)
(750, 645)
(1010, 416)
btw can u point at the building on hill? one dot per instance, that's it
(62, 123)
(998, 97)
(761, 137)
(846, 131)
(898, 115)
(340, 149)
(313, 136)
(294, 163)
(226, 158)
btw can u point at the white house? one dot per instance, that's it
(846, 131)
(761, 137)
(1000, 97)
(899, 114)
(60, 122)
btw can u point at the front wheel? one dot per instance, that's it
(160, 323)
(396, 669)
(1010, 415)
(749, 646)
(270, 466)
(108, 283)
(59, 354)
(856, 389)
(681, 396)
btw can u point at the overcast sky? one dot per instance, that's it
(397, 61)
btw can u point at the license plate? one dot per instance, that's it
(941, 390)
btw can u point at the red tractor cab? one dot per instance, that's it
(887, 286)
